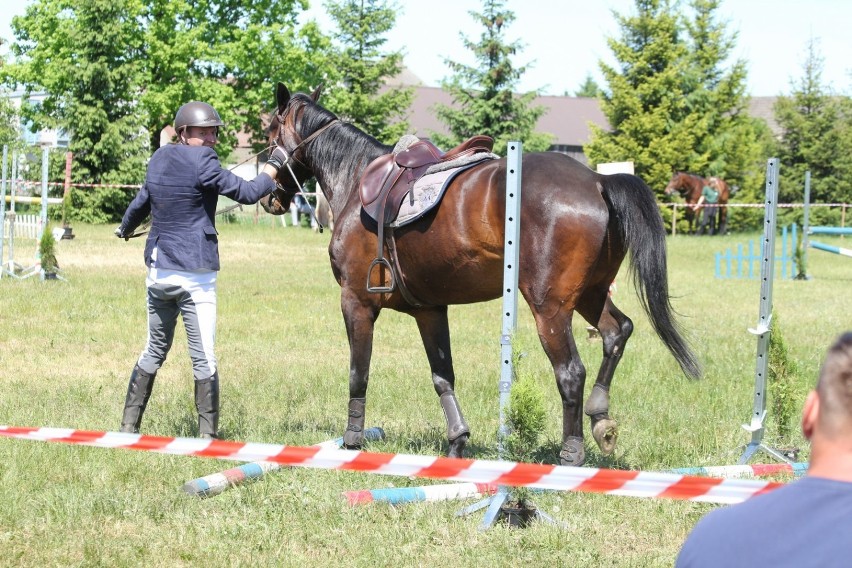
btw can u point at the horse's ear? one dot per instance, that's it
(317, 92)
(282, 96)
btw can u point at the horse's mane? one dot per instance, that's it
(345, 142)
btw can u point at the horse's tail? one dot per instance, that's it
(634, 214)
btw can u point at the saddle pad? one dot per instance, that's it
(426, 194)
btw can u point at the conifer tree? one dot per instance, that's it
(588, 89)
(672, 104)
(729, 143)
(483, 96)
(361, 69)
(816, 137)
(646, 103)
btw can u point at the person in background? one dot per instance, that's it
(707, 203)
(804, 523)
(298, 207)
(182, 187)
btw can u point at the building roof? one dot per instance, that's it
(567, 118)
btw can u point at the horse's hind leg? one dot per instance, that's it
(615, 329)
(435, 333)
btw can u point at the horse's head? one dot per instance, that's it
(285, 131)
(675, 184)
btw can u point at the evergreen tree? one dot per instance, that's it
(672, 103)
(588, 89)
(727, 145)
(484, 102)
(646, 103)
(816, 137)
(360, 70)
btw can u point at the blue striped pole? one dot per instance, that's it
(830, 248)
(831, 230)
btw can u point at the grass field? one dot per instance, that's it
(66, 350)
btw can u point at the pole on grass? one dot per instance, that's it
(511, 256)
(762, 330)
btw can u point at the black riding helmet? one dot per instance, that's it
(196, 113)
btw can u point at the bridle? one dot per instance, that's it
(291, 156)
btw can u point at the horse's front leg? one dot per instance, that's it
(435, 333)
(360, 319)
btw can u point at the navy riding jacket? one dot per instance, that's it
(182, 188)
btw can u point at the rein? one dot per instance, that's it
(291, 155)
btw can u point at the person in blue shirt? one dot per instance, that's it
(182, 187)
(804, 523)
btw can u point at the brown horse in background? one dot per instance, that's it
(577, 226)
(689, 186)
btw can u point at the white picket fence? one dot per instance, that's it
(26, 226)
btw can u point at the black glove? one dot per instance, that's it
(121, 233)
(277, 158)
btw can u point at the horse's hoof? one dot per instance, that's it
(456, 449)
(353, 440)
(573, 452)
(605, 432)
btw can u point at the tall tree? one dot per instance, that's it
(588, 89)
(673, 104)
(113, 73)
(94, 99)
(359, 71)
(483, 97)
(815, 136)
(646, 103)
(8, 115)
(729, 143)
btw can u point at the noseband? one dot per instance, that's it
(291, 155)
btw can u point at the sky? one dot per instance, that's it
(563, 41)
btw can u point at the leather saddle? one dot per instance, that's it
(389, 178)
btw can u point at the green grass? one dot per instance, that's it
(66, 350)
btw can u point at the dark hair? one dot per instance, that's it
(835, 388)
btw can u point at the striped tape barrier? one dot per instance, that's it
(538, 476)
(216, 483)
(446, 492)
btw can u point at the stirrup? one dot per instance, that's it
(381, 289)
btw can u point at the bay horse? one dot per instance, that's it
(577, 227)
(690, 186)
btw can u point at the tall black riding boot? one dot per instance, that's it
(138, 393)
(207, 405)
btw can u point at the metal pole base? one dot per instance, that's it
(755, 447)
(492, 514)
